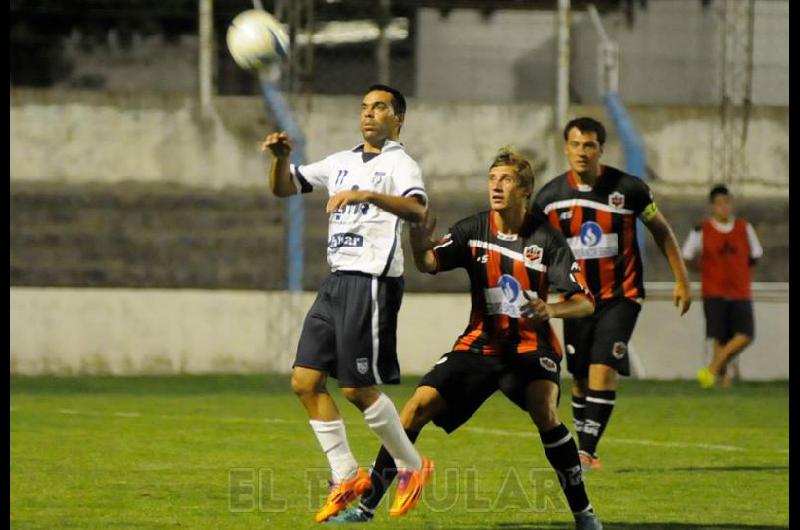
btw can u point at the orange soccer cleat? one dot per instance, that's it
(342, 494)
(589, 462)
(409, 488)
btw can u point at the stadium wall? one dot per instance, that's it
(149, 331)
(80, 137)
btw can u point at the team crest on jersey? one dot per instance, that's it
(548, 364)
(532, 253)
(362, 365)
(616, 199)
(619, 350)
(377, 177)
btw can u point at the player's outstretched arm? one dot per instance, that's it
(665, 239)
(577, 306)
(280, 181)
(420, 236)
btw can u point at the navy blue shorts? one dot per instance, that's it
(350, 332)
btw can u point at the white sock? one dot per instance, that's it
(384, 421)
(333, 440)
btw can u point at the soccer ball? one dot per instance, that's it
(256, 40)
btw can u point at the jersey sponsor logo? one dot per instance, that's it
(565, 215)
(377, 177)
(548, 364)
(616, 199)
(592, 243)
(506, 298)
(362, 365)
(345, 239)
(532, 253)
(351, 212)
(619, 349)
(483, 258)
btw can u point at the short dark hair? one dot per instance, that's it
(586, 124)
(720, 189)
(398, 101)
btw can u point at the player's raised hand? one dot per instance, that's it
(682, 296)
(422, 232)
(278, 143)
(535, 308)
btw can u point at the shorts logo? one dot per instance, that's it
(510, 287)
(362, 365)
(532, 254)
(590, 233)
(619, 350)
(548, 364)
(616, 199)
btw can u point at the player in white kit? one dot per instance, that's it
(350, 331)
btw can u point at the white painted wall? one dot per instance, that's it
(127, 331)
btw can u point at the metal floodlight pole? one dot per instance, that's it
(205, 53)
(562, 78)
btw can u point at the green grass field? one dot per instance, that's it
(237, 452)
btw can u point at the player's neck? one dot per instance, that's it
(377, 147)
(722, 220)
(588, 177)
(510, 220)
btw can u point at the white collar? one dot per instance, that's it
(387, 145)
(723, 227)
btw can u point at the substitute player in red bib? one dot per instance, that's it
(595, 207)
(727, 248)
(350, 331)
(508, 344)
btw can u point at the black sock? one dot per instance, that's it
(562, 453)
(383, 473)
(599, 405)
(578, 412)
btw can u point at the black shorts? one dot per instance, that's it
(351, 330)
(726, 318)
(601, 338)
(465, 380)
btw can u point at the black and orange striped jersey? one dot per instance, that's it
(599, 224)
(500, 267)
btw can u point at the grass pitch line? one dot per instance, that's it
(653, 443)
(74, 412)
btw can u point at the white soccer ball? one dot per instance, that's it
(256, 40)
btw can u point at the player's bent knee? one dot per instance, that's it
(305, 384)
(423, 406)
(362, 397)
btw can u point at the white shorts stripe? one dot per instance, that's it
(578, 405)
(562, 441)
(598, 400)
(376, 336)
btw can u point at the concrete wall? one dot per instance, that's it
(118, 331)
(84, 137)
(669, 55)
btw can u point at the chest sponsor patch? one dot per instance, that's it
(345, 239)
(507, 298)
(592, 243)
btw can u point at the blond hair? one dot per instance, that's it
(507, 156)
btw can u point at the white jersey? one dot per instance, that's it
(363, 237)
